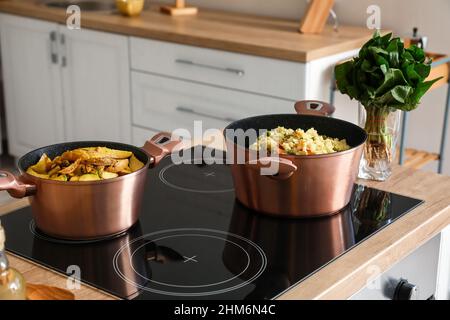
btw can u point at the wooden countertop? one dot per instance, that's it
(347, 274)
(260, 36)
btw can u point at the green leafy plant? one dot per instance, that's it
(384, 77)
(385, 73)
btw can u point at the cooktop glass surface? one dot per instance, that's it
(194, 240)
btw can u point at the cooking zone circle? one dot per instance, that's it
(189, 262)
(199, 178)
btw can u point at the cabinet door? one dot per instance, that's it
(32, 84)
(95, 72)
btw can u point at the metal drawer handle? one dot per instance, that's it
(192, 111)
(53, 47)
(62, 41)
(238, 72)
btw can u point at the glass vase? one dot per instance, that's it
(382, 125)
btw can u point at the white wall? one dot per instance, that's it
(432, 17)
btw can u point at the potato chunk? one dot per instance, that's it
(120, 165)
(70, 169)
(135, 164)
(43, 165)
(109, 175)
(60, 178)
(104, 152)
(89, 177)
(39, 175)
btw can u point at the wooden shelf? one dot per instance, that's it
(417, 159)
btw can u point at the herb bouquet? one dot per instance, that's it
(385, 78)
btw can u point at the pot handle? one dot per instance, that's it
(160, 145)
(14, 186)
(314, 107)
(286, 168)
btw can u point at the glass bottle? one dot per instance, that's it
(12, 283)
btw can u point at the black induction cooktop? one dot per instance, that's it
(194, 240)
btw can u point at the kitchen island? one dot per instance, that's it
(347, 274)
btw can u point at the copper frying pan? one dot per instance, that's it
(90, 209)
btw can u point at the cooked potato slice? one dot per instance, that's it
(135, 164)
(43, 165)
(74, 155)
(109, 175)
(100, 161)
(54, 170)
(62, 177)
(71, 169)
(56, 161)
(104, 152)
(75, 178)
(120, 165)
(125, 171)
(39, 175)
(89, 177)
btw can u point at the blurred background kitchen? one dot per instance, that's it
(128, 117)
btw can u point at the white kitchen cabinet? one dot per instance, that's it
(63, 84)
(96, 85)
(268, 77)
(32, 84)
(162, 103)
(272, 77)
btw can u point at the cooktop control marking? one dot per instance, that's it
(210, 174)
(187, 259)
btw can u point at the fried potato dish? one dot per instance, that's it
(86, 164)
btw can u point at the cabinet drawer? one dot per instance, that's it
(161, 103)
(272, 77)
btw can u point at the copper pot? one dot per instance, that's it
(303, 186)
(90, 209)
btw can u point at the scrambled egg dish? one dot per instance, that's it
(298, 142)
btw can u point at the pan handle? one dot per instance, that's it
(286, 168)
(14, 186)
(314, 107)
(161, 145)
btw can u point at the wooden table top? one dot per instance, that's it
(260, 36)
(347, 274)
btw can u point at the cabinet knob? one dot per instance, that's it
(405, 291)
